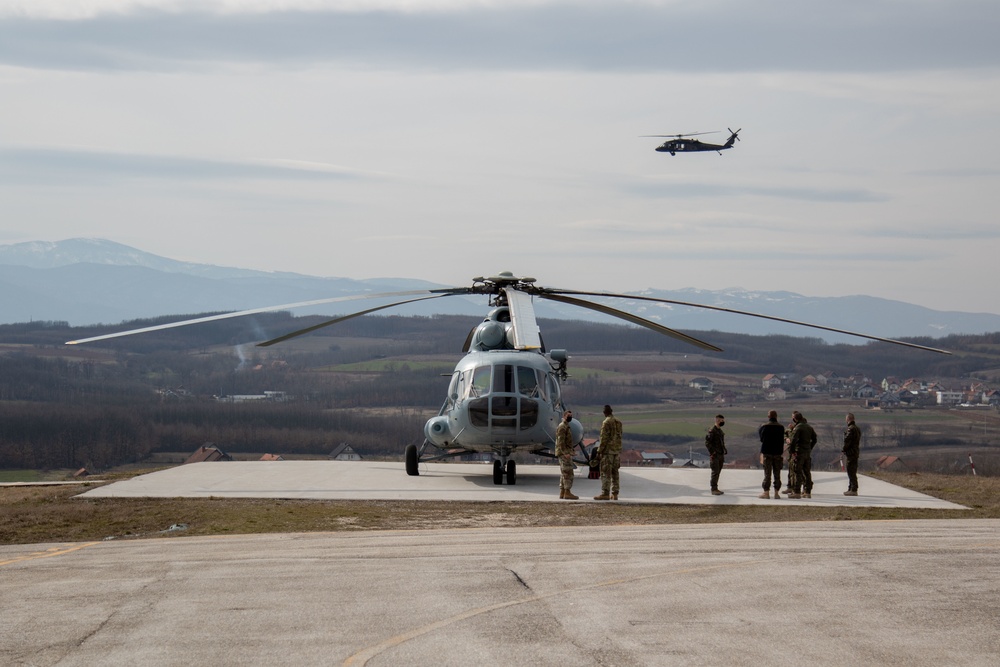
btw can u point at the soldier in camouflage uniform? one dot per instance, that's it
(800, 449)
(564, 452)
(852, 451)
(715, 443)
(610, 451)
(788, 459)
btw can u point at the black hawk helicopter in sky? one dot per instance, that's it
(505, 394)
(681, 143)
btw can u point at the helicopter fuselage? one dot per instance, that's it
(500, 400)
(689, 146)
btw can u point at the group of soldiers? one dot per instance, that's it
(778, 444)
(793, 444)
(609, 453)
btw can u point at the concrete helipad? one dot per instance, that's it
(361, 480)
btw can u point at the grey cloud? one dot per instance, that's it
(854, 35)
(701, 190)
(47, 166)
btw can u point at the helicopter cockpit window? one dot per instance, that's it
(480, 381)
(503, 378)
(527, 381)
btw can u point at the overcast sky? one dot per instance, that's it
(446, 139)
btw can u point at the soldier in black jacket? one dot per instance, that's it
(852, 451)
(800, 452)
(715, 442)
(772, 443)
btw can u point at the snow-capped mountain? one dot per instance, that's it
(95, 281)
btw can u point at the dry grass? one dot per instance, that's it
(37, 514)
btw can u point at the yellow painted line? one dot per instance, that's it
(48, 553)
(367, 654)
(362, 657)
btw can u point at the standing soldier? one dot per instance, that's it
(800, 449)
(715, 442)
(610, 451)
(788, 458)
(851, 451)
(564, 452)
(772, 442)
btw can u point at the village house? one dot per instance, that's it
(809, 385)
(702, 383)
(208, 452)
(344, 452)
(770, 381)
(867, 390)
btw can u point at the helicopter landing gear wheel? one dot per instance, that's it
(511, 473)
(411, 461)
(497, 472)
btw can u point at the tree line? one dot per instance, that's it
(138, 396)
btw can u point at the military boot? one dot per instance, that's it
(614, 496)
(562, 493)
(766, 495)
(603, 496)
(568, 495)
(716, 492)
(777, 496)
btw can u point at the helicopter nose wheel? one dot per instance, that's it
(499, 471)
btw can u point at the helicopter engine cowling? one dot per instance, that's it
(576, 430)
(438, 430)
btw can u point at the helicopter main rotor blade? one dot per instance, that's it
(749, 314)
(255, 311)
(629, 317)
(678, 136)
(300, 332)
(527, 335)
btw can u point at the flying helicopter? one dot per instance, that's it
(682, 143)
(505, 394)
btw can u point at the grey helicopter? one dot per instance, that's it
(682, 143)
(505, 394)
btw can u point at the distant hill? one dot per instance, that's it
(95, 281)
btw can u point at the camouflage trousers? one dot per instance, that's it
(715, 462)
(565, 473)
(772, 466)
(803, 482)
(610, 463)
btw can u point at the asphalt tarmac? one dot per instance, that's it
(906, 593)
(364, 480)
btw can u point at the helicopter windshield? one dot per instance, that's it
(480, 384)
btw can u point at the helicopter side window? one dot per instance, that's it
(543, 388)
(453, 385)
(480, 381)
(553, 389)
(527, 381)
